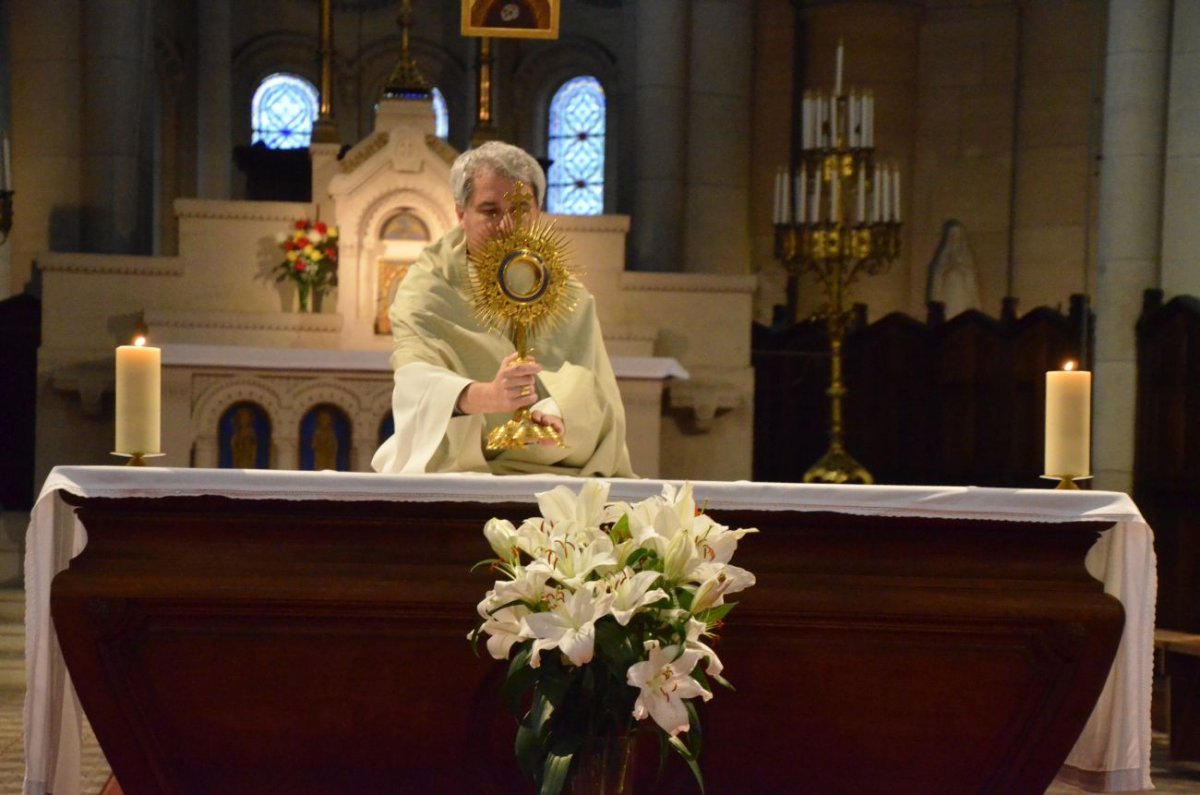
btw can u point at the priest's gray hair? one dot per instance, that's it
(510, 162)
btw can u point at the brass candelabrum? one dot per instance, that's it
(837, 217)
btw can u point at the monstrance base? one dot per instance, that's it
(838, 466)
(521, 431)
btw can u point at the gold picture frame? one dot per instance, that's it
(517, 19)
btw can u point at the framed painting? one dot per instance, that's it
(524, 19)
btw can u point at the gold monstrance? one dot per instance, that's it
(837, 216)
(519, 282)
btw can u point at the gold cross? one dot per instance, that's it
(520, 200)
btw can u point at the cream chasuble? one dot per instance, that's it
(440, 347)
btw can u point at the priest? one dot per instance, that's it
(456, 379)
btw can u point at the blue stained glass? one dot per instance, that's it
(575, 184)
(441, 118)
(283, 111)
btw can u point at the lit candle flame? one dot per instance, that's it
(1069, 365)
(139, 340)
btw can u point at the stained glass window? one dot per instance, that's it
(283, 111)
(575, 184)
(441, 119)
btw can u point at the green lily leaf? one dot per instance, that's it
(554, 773)
(683, 751)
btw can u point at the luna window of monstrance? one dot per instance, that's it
(519, 286)
(837, 217)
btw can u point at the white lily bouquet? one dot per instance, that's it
(605, 612)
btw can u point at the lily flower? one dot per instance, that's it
(561, 504)
(665, 680)
(502, 536)
(570, 563)
(570, 626)
(695, 631)
(506, 628)
(716, 580)
(631, 592)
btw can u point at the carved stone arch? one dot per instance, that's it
(542, 72)
(380, 207)
(211, 404)
(326, 391)
(440, 66)
(279, 51)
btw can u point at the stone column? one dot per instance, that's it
(1181, 233)
(46, 135)
(716, 229)
(214, 139)
(1131, 185)
(115, 41)
(660, 109)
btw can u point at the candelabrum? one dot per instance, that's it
(837, 217)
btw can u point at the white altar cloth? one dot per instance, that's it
(1112, 753)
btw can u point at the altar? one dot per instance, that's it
(923, 638)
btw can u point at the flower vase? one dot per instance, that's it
(604, 766)
(303, 290)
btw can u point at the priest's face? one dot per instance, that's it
(483, 217)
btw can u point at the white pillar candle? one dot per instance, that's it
(1068, 422)
(833, 121)
(139, 398)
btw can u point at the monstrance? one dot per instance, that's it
(519, 285)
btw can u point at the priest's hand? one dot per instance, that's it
(549, 420)
(514, 387)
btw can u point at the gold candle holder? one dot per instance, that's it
(837, 217)
(1067, 482)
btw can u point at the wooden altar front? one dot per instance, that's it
(277, 632)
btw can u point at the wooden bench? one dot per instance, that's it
(1180, 656)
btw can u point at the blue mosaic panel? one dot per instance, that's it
(283, 111)
(441, 118)
(575, 183)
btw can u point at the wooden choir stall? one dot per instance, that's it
(231, 631)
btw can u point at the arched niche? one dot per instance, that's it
(402, 236)
(326, 435)
(244, 437)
